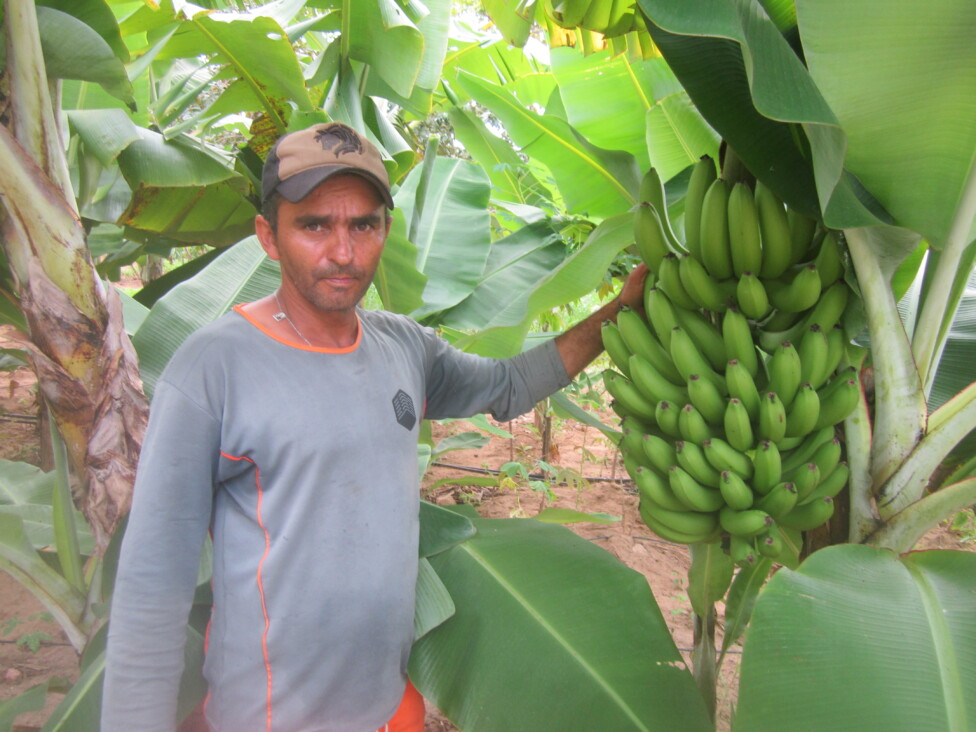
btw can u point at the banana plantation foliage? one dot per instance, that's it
(795, 402)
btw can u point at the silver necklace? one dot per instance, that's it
(282, 315)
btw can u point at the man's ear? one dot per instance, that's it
(266, 235)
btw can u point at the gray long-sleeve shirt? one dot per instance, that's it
(302, 463)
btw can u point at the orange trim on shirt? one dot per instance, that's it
(242, 310)
(260, 580)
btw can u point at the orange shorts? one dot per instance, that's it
(409, 715)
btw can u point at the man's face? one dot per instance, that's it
(329, 243)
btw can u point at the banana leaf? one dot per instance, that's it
(593, 181)
(578, 274)
(242, 274)
(452, 201)
(861, 638)
(598, 88)
(532, 616)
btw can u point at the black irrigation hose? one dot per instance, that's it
(533, 476)
(19, 418)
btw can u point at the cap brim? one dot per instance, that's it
(295, 188)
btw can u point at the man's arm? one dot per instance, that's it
(582, 343)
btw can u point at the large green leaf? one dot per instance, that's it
(398, 281)
(916, 157)
(578, 275)
(19, 559)
(593, 181)
(535, 634)
(677, 135)
(513, 23)
(27, 492)
(452, 236)
(516, 265)
(242, 274)
(434, 28)
(510, 177)
(379, 33)
(98, 16)
(74, 50)
(607, 98)
(860, 638)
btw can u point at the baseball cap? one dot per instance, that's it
(300, 160)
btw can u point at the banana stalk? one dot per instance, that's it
(900, 411)
(94, 394)
(933, 324)
(947, 426)
(903, 530)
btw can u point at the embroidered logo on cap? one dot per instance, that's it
(403, 409)
(340, 140)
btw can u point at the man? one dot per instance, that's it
(288, 429)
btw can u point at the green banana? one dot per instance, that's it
(737, 336)
(829, 264)
(666, 416)
(742, 550)
(692, 425)
(738, 427)
(692, 459)
(836, 351)
(768, 467)
(810, 515)
(742, 386)
(661, 315)
(632, 444)
(779, 501)
(669, 280)
(705, 336)
(804, 478)
(689, 360)
(751, 296)
(659, 453)
(785, 372)
(652, 383)
(750, 522)
(827, 457)
(745, 240)
(715, 252)
(629, 396)
(802, 415)
(814, 352)
(702, 176)
(631, 465)
(838, 403)
(652, 487)
(615, 347)
(701, 286)
(734, 490)
(803, 229)
(831, 305)
(706, 398)
(832, 485)
(654, 516)
(800, 293)
(722, 456)
(775, 228)
(770, 544)
(638, 338)
(772, 417)
(780, 320)
(804, 452)
(693, 494)
(652, 242)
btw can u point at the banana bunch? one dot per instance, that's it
(729, 390)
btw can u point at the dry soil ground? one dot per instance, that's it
(574, 448)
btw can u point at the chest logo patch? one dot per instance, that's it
(403, 409)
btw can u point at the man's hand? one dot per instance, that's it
(582, 343)
(632, 293)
